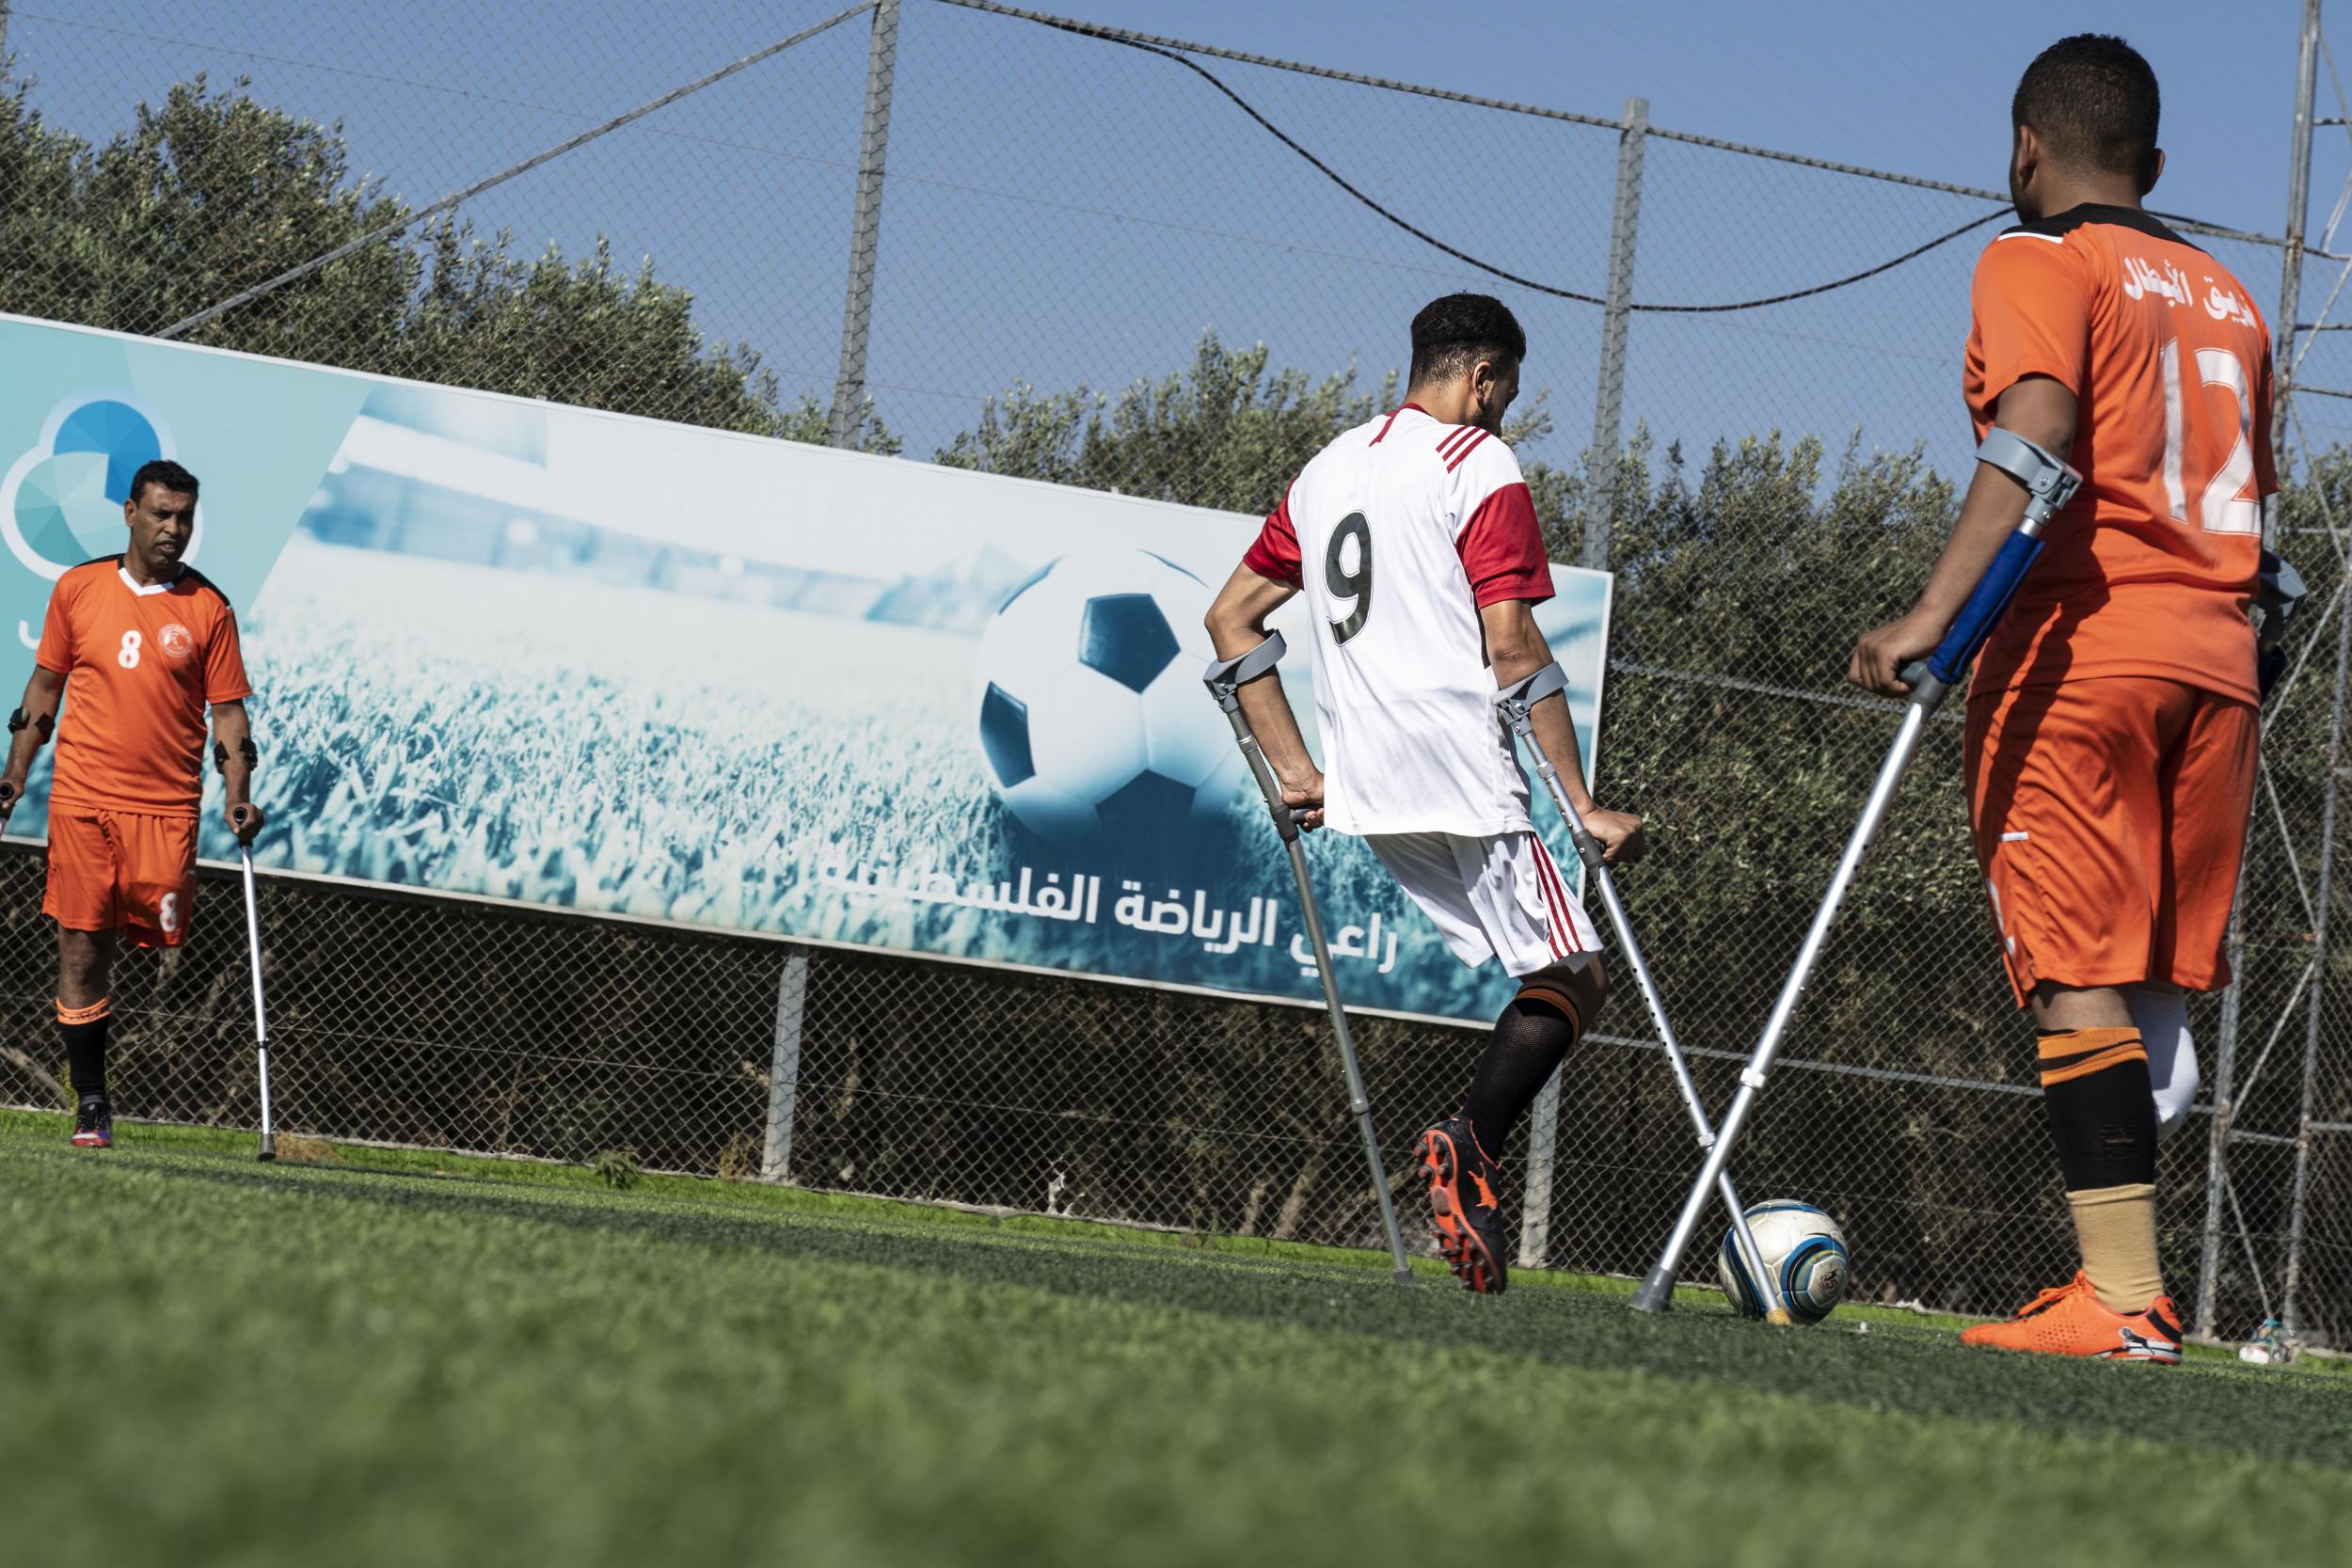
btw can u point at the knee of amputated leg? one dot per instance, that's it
(80, 965)
(2161, 1015)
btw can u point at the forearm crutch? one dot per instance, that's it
(1515, 703)
(2049, 484)
(1224, 679)
(261, 1016)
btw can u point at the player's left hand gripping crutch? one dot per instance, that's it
(2049, 484)
(261, 1016)
(1516, 703)
(1224, 679)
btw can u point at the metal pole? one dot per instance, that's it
(2297, 1206)
(2290, 295)
(857, 305)
(1609, 396)
(2291, 263)
(784, 1069)
(1543, 1137)
(2224, 1109)
(260, 1013)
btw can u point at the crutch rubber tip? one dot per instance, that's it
(269, 1149)
(1656, 1293)
(1780, 1318)
(1405, 1278)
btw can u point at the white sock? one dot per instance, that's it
(2161, 1015)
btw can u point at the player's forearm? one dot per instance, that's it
(2041, 411)
(1995, 506)
(1236, 625)
(1268, 709)
(233, 739)
(39, 710)
(1516, 649)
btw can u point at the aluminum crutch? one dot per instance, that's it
(1224, 679)
(2049, 483)
(261, 1018)
(1515, 703)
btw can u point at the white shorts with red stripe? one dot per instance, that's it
(1499, 897)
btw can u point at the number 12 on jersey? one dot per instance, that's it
(1356, 585)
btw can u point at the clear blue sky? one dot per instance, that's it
(1062, 210)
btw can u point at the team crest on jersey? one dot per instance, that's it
(178, 641)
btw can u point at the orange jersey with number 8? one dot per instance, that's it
(141, 664)
(2148, 571)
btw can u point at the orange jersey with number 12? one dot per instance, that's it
(2149, 569)
(141, 663)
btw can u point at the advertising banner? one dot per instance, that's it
(508, 649)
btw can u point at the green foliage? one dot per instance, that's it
(214, 192)
(1225, 432)
(615, 1168)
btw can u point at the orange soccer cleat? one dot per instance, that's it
(2069, 1320)
(1462, 1201)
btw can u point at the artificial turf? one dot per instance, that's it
(419, 1360)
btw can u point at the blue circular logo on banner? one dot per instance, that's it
(61, 502)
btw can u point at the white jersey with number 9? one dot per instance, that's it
(1397, 532)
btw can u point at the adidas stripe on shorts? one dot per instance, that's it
(1501, 896)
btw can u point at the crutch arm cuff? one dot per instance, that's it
(2049, 479)
(1227, 676)
(1522, 694)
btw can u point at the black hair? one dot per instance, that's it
(1451, 334)
(162, 471)
(2093, 99)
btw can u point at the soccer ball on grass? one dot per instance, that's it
(1805, 1253)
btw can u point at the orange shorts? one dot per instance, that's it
(121, 871)
(2109, 819)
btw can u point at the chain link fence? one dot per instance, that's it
(1179, 283)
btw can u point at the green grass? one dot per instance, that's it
(415, 1358)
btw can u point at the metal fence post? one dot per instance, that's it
(857, 305)
(1600, 509)
(2325, 894)
(784, 1069)
(2290, 264)
(2224, 1081)
(1543, 1137)
(2290, 293)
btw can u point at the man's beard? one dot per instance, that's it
(2029, 208)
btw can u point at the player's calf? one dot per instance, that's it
(1530, 1040)
(2103, 1117)
(83, 1029)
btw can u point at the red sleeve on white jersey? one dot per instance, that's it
(1498, 539)
(55, 653)
(1274, 556)
(1502, 548)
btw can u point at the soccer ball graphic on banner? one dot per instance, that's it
(1804, 1249)
(1092, 718)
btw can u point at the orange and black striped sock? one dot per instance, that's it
(2103, 1117)
(84, 1031)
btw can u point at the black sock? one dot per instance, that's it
(2103, 1112)
(85, 1056)
(1530, 1040)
